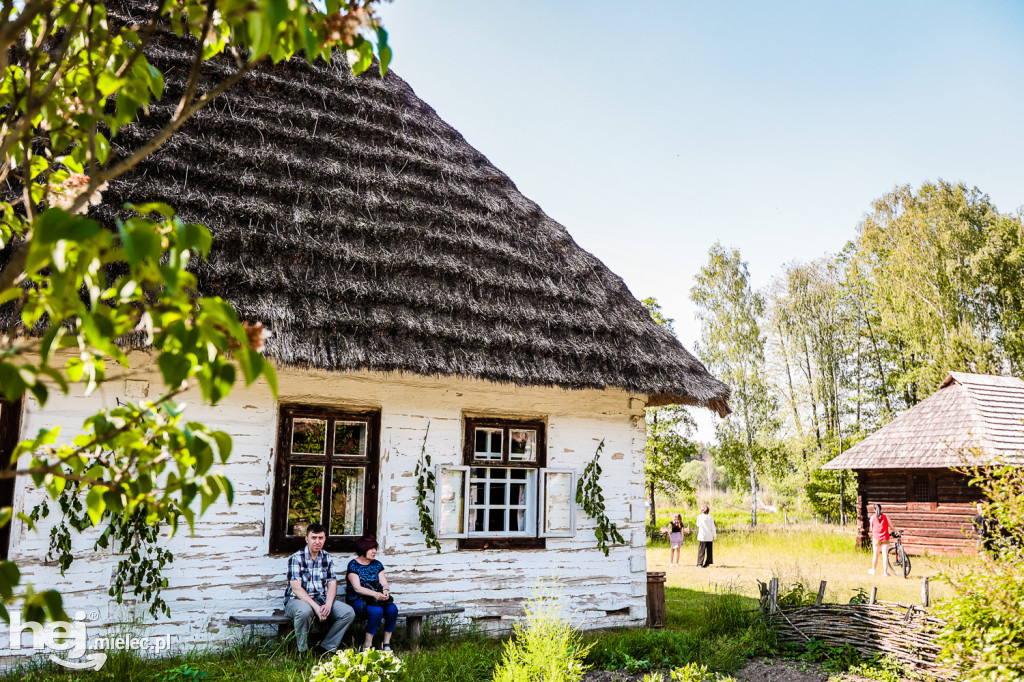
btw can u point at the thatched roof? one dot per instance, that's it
(971, 419)
(366, 233)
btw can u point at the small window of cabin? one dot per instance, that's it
(921, 489)
(503, 496)
(327, 464)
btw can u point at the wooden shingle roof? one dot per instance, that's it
(971, 419)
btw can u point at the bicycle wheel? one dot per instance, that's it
(906, 563)
(892, 558)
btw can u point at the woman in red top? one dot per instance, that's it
(879, 539)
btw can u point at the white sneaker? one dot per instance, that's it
(871, 571)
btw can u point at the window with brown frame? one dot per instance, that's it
(503, 495)
(327, 463)
(10, 430)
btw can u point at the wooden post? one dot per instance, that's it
(656, 599)
(874, 595)
(773, 595)
(924, 591)
(821, 593)
(414, 625)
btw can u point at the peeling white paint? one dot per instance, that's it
(225, 567)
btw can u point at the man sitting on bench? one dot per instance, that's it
(312, 588)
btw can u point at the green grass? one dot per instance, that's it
(711, 618)
(796, 554)
(717, 629)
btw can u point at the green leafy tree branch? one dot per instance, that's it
(74, 294)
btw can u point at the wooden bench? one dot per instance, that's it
(413, 619)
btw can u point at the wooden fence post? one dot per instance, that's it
(821, 594)
(924, 591)
(773, 595)
(874, 595)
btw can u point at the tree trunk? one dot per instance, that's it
(750, 463)
(789, 379)
(811, 392)
(842, 497)
(654, 451)
(654, 518)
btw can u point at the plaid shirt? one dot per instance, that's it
(313, 574)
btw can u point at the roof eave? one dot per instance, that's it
(717, 405)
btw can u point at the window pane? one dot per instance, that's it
(518, 473)
(305, 494)
(350, 438)
(488, 444)
(347, 501)
(497, 494)
(922, 491)
(452, 507)
(478, 520)
(309, 436)
(476, 493)
(522, 446)
(496, 521)
(557, 505)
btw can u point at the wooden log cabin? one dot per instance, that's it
(909, 465)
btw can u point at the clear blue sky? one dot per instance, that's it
(651, 130)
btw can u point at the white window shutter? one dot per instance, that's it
(557, 518)
(451, 501)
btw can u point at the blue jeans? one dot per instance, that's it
(374, 614)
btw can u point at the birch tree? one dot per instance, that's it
(732, 346)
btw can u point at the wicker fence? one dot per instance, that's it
(903, 631)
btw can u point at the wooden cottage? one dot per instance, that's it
(907, 465)
(417, 301)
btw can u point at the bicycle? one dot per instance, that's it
(896, 557)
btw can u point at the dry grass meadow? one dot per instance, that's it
(798, 554)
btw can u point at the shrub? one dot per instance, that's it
(691, 672)
(984, 635)
(545, 647)
(370, 665)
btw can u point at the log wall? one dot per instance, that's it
(226, 567)
(934, 506)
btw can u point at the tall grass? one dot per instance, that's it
(798, 554)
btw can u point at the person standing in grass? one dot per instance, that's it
(706, 534)
(675, 539)
(879, 540)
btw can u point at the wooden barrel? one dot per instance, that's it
(655, 599)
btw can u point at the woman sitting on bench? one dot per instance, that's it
(368, 593)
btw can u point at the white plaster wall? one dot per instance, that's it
(224, 568)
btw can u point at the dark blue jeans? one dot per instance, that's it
(374, 614)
